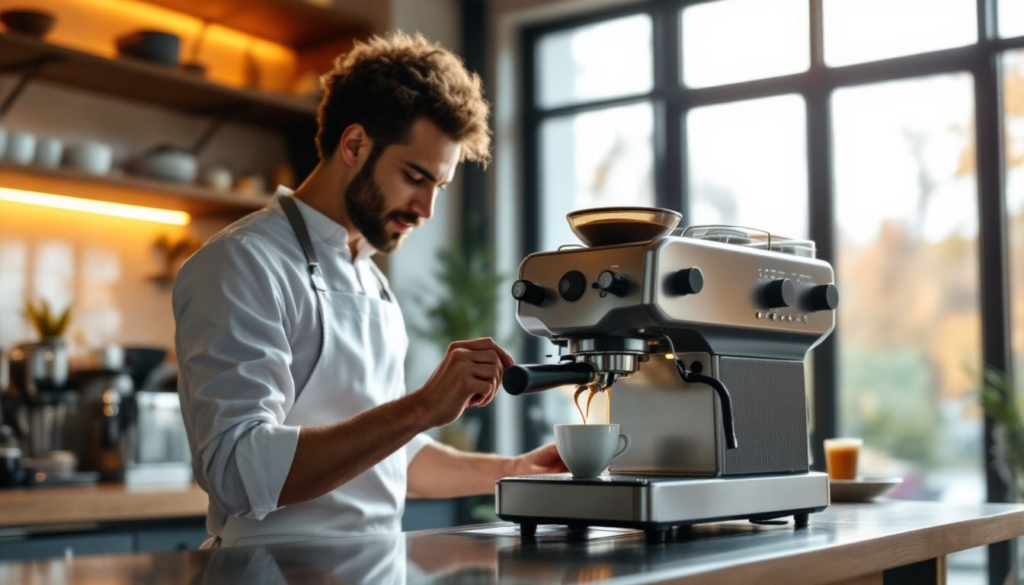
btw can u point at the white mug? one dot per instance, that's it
(90, 157)
(21, 147)
(48, 151)
(588, 449)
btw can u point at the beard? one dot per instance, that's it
(364, 201)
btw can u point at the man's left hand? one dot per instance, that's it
(541, 460)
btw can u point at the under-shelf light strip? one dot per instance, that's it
(166, 216)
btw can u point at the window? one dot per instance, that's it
(1011, 18)
(727, 42)
(857, 31)
(732, 111)
(582, 64)
(767, 138)
(907, 265)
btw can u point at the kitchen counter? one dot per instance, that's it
(101, 503)
(853, 543)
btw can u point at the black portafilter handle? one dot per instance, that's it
(536, 378)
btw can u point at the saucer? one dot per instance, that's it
(862, 489)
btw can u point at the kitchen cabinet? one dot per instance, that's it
(58, 542)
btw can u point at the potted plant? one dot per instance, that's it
(999, 402)
(466, 308)
(42, 367)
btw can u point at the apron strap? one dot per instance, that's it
(291, 209)
(385, 294)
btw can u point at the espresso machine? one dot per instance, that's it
(700, 336)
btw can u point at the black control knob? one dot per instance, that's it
(780, 293)
(527, 292)
(613, 282)
(688, 281)
(824, 297)
(572, 285)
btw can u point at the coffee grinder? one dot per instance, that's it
(701, 334)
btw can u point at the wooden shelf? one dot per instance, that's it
(146, 82)
(198, 201)
(296, 23)
(99, 503)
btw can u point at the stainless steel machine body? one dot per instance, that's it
(635, 318)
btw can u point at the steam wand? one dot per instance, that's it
(728, 424)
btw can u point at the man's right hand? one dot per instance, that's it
(469, 375)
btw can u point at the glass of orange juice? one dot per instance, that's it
(841, 457)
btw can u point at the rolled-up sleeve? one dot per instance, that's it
(235, 384)
(413, 447)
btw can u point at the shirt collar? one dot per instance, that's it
(325, 230)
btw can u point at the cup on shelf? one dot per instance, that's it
(155, 46)
(21, 147)
(168, 163)
(217, 178)
(48, 152)
(89, 156)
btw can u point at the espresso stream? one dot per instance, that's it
(594, 389)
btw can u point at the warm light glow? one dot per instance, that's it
(669, 356)
(99, 207)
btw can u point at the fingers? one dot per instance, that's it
(484, 343)
(494, 392)
(486, 372)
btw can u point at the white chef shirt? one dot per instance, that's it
(248, 335)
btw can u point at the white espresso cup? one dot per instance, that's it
(588, 449)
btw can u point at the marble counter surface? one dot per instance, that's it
(847, 541)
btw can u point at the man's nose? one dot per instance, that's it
(424, 205)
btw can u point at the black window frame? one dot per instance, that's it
(672, 100)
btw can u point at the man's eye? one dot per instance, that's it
(414, 180)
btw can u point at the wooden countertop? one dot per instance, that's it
(99, 503)
(849, 543)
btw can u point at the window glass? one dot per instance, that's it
(740, 40)
(907, 269)
(857, 31)
(767, 139)
(598, 61)
(1011, 18)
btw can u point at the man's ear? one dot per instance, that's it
(355, 145)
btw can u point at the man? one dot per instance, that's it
(289, 340)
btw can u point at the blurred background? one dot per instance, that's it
(889, 131)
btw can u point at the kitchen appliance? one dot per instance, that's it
(700, 336)
(130, 427)
(39, 400)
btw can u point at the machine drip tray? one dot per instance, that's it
(657, 504)
(551, 532)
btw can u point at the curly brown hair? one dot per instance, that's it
(387, 83)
